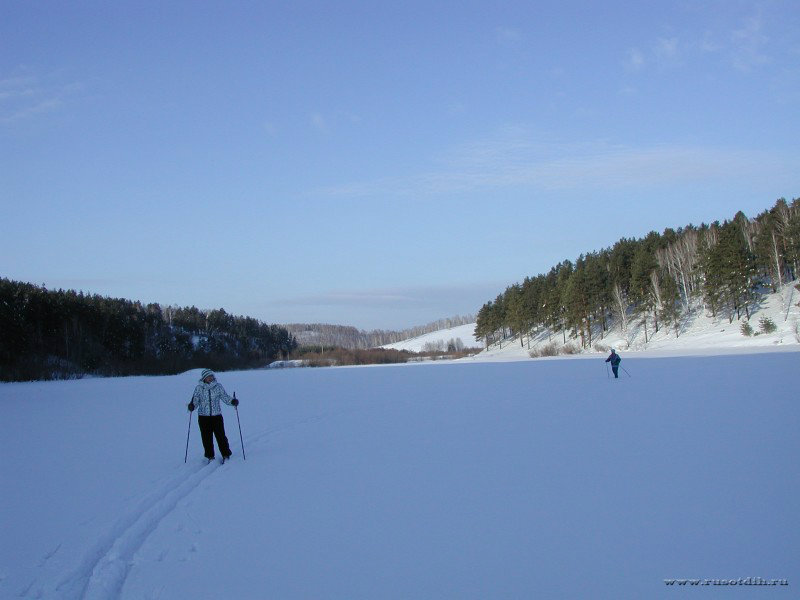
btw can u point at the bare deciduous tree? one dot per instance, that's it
(620, 305)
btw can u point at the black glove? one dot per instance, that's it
(191, 406)
(234, 402)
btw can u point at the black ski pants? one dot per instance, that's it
(211, 427)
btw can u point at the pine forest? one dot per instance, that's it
(653, 282)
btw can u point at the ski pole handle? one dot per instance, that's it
(186, 456)
(238, 422)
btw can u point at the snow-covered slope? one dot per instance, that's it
(527, 479)
(465, 333)
(698, 333)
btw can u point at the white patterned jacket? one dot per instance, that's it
(206, 398)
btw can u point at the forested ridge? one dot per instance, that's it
(352, 338)
(50, 334)
(649, 282)
(652, 281)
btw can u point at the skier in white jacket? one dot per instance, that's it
(206, 398)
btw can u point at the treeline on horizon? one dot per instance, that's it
(338, 356)
(652, 281)
(345, 336)
(64, 334)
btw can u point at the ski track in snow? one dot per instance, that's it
(103, 570)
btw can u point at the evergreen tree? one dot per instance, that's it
(516, 316)
(483, 324)
(598, 285)
(557, 310)
(770, 247)
(532, 300)
(645, 282)
(791, 237)
(670, 313)
(576, 303)
(730, 270)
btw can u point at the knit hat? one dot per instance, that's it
(206, 373)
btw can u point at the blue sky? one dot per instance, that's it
(377, 164)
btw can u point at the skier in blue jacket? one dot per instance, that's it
(614, 359)
(206, 398)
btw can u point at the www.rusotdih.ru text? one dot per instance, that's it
(739, 581)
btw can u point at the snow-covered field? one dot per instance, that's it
(525, 479)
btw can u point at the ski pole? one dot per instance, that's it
(608, 375)
(244, 456)
(186, 456)
(626, 370)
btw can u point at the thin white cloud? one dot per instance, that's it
(318, 121)
(663, 52)
(709, 44)
(635, 60)
(667, 49)
(9, 93)
(10, 86)
(21, 114)
(748, 44)
(325, 122)
(351, 299)
(456, 108)
(405, 297)
(527, 163)
(744, 46)
(349, 117)
(23, 97)
(507, 35)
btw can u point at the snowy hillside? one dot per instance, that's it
(699, 332)
(526, 479)
(440, 339)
